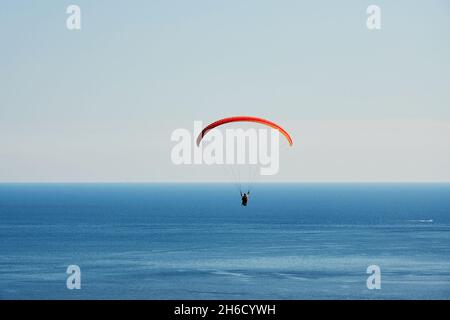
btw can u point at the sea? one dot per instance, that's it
(196, 241)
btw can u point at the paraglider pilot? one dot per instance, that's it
(244, 198)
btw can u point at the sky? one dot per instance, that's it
(99, 104)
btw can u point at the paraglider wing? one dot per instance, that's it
(243, 119)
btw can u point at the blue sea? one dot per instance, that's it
(195, 241)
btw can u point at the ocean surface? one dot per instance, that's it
(195, 241)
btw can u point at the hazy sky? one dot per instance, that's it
(100, 104)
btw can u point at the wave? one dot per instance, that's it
(422, 221)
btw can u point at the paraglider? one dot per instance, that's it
(244, 198)
(202, 134)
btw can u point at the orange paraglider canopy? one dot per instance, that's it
(243, 119)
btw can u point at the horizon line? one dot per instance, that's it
(223, 182)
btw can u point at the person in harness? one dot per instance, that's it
(244, 198)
